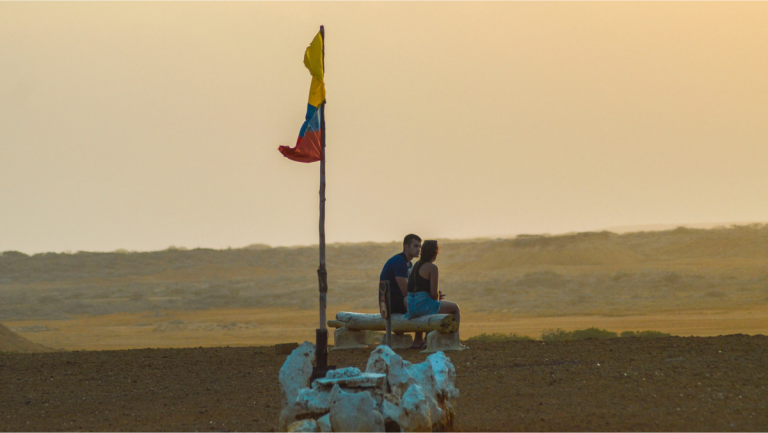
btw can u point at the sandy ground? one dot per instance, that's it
(268, 326)
(625, 384)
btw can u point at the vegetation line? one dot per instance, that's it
(561, 335)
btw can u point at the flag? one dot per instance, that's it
(309, 144)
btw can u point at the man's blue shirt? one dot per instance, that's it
(397, 266)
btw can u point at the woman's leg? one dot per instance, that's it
(448, 307)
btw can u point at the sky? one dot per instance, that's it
(141, 126)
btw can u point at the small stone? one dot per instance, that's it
(354, 412)
(304, 425)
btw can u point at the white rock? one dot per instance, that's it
(364, 380)
(316, 400)
(294, 374)
(445, 375)
(305, 425)
(421, 374)
(402, 374)
(390, 408)
(414, 411)
(445, 391)
(379, 360)
(425, 377)
(354, 412)
(392, 394)
(390, 413)
(436, 377)
(385, 360)
(324, 422)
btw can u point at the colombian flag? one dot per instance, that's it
(309, 145)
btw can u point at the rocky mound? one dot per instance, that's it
(13, 342)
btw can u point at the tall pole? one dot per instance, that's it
(321, 334)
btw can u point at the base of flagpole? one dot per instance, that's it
(321, 367)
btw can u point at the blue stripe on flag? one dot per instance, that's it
(312, 122)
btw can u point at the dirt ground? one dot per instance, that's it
(625, 384)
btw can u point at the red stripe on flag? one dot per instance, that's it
(308, 148)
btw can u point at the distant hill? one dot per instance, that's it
(12, 342)
(664, 227)
(529, 275)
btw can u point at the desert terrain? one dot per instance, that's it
(181, 340)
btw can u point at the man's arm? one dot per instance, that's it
(402, 283)
(401, 276)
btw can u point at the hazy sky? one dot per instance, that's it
(145, 125)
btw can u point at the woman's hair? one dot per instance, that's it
(429, 250)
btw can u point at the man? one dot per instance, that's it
(396, 271)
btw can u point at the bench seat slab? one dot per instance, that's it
(443, 323)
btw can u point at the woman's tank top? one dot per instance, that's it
(417, 283)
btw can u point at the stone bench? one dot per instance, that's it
(442, 330)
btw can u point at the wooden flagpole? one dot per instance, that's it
(321, 334)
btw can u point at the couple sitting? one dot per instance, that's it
(413, 289)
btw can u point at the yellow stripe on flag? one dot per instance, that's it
(313, 60)
(316, 92)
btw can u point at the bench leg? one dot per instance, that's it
(437, 342)
(344, 338)
(403, 341)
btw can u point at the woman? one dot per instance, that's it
(423, 296)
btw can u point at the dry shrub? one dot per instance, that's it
(601, 334)
(583, 334)
(495, 337)
(645, 334)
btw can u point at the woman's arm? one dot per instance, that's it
(433, 274)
